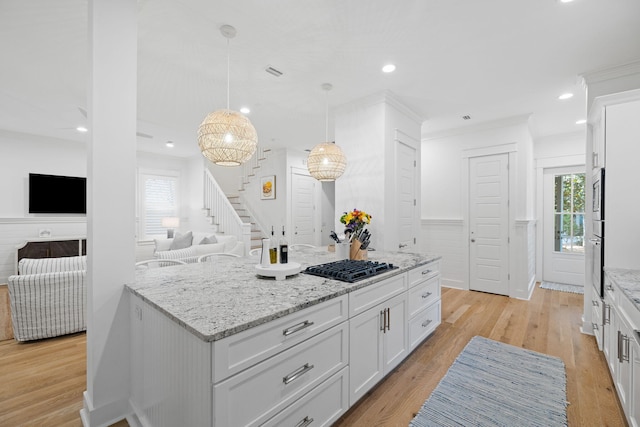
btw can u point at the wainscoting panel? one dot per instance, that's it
(445, 237)
(16, 231)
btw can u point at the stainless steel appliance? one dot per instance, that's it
(597, 239)
(598, 195)
(349, 270)
(597, 249)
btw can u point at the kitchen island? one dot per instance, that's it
(214, 344)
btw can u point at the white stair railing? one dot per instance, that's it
(250, 167)
(223, 214)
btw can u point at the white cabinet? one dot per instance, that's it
(378, 343)
(634, 404)
(390, 319)
(622, 348)
(598, 138)
(305, 368)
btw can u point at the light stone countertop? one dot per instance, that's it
(628, 281)
(217, 299)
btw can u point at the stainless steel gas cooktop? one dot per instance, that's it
(349, 270)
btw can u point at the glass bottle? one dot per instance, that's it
(273, 248)
(284, 249)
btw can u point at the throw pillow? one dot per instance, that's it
(209, 240)
(181, 241)
(163, 244)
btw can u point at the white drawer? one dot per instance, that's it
(423, 272)
(423, 295)
(372, 295)
(258, 393)
(321, 407)
(240, 351)
(423, 324)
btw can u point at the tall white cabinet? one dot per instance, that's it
(615, 145)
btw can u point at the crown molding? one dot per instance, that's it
(384, 97)
(610, 73)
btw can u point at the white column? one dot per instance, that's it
(110, 206)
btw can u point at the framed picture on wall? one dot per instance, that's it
(268, 187)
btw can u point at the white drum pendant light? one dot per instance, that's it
(227, 137)
(326, 161)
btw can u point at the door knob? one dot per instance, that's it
(473, 240)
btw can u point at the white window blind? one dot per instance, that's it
(160, 200)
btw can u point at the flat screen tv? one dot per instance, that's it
(55, 194)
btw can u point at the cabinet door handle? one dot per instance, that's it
(595, 303)
(619, 346)
(626, 349)
(305, 422)
(426, 295)
(607, 314)
(426, 323)
(296, 328)
(594, 326)
(388, 319)
(426, 272)
(383, 319)
(297, 373)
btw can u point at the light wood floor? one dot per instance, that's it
(42, 382)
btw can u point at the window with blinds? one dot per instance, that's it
(159, 197)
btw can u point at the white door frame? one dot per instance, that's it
(541, 165)
(407, 140)
(316, 200)
(512, 150)
(548, 227)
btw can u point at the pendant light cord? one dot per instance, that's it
(326, 116)
(228, 74)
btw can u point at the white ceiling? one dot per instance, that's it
(489, 59)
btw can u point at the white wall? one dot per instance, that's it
(23, 154)
(444, 192)
(366, 131)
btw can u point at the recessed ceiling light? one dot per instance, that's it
(245, 110)
(581, 122)
(82, 129)
(565, 96)
(566, 1)
(389, 68)
(170, 144)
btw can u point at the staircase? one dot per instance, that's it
(222, 214)
(229, 212)
(257, 233)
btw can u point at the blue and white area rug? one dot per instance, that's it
(562, 287)
(496, 384)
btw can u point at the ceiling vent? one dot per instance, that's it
(467, 117)
(273, 71)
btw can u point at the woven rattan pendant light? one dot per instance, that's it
(227, 137)
(326, 161)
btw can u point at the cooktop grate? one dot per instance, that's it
(349, 270)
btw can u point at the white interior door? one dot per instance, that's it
(406, 191)
(303, 208)
(563, 225)
(489, 223)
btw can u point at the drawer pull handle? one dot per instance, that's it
(426, 295)
(426, 323)
(595, 303)
(296, 328)
(305, 422)
(426, 272)
(295, 374)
